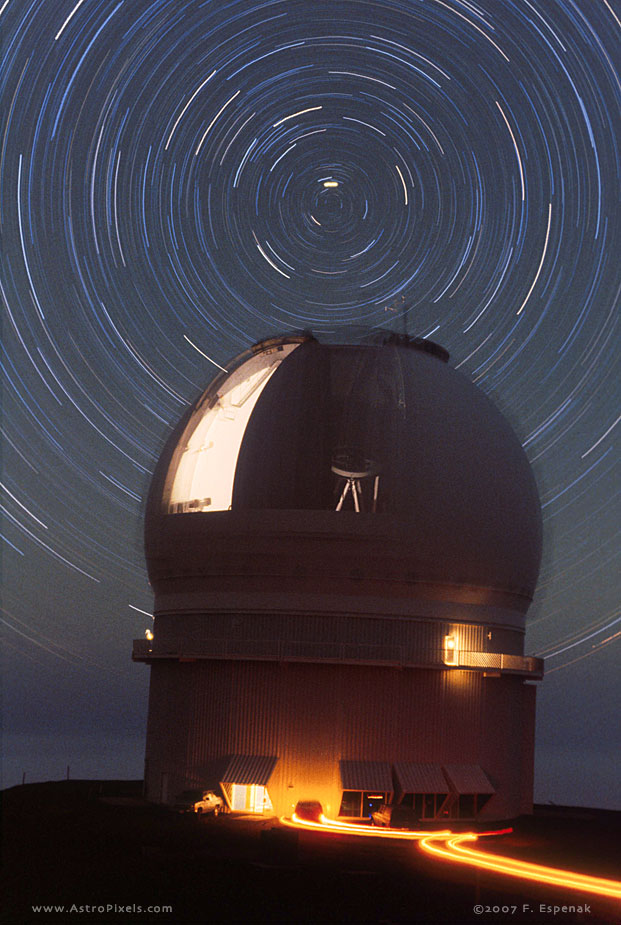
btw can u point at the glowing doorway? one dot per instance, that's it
(250, 798)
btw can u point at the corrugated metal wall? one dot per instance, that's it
(311, 716)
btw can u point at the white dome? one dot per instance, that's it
(384, 444)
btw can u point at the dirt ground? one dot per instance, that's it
(98, 853)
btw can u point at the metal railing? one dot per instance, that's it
(301, 650)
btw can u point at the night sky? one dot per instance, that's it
(163, 207)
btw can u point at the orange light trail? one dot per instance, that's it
(349, 828)
(568, 879)
(454, 850)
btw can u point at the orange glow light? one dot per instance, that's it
(451, 652)
(454, 850)
(352, 828)
(450, 846)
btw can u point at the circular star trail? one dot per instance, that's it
(180, 179)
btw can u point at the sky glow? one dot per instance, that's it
(165, 204)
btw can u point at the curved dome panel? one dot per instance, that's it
(201, 477)
(385, 431)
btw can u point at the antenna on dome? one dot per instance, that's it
(401, 307)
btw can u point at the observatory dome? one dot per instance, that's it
(386, 465)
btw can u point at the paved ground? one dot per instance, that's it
(98, 850)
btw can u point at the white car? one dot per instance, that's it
(199, 801)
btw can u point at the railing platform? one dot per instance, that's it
(493, 663)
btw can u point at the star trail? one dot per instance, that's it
(181, 179)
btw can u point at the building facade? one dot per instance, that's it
(343, 542)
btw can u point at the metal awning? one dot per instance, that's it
(249, 769)
(420, 778)
(468, 778)
(366, 775)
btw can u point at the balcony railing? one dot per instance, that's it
(347, 653)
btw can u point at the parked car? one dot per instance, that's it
(310, 810)
(199, 801)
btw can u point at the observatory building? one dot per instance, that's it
(343, 542)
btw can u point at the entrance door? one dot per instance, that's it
(238, 797)
(250, 798)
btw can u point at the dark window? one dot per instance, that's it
(371, 802)
(424, 805)
(351, 803)
(467, 805)
(470, 804)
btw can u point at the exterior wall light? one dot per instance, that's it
(148, 634)
(451, 652)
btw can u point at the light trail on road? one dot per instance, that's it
(450, 846)
(351, 828)
(454, 850)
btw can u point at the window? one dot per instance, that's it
(361, 804)
(424, 805)
(470, 804)
(351, 803)
(467, 805)
(371, 802)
